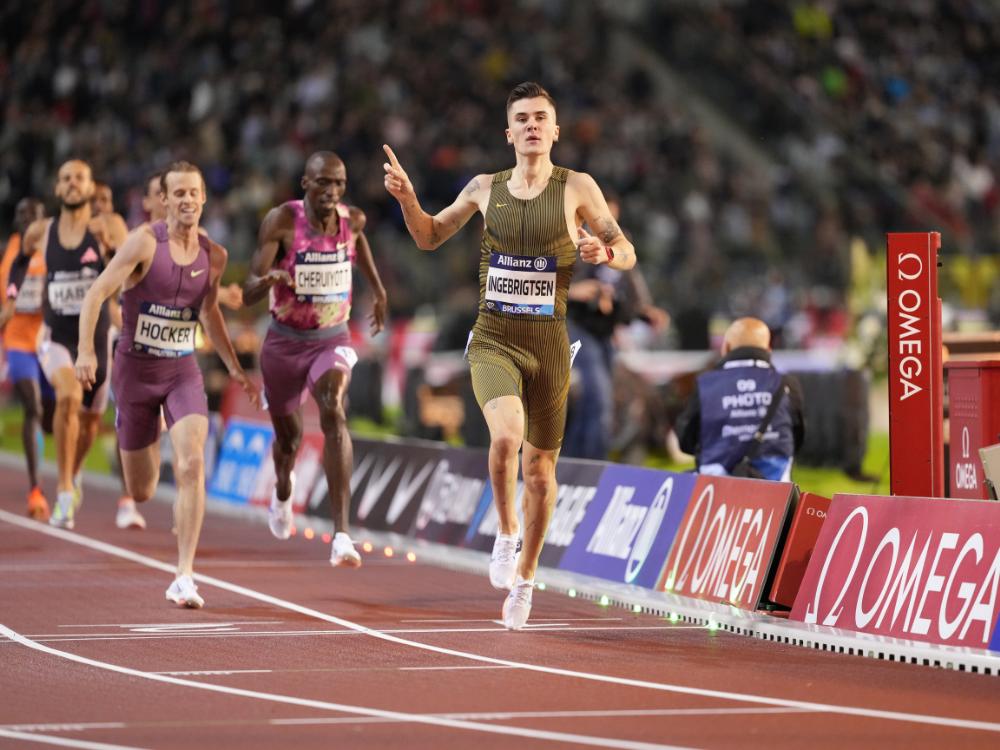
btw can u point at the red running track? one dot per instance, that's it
(289, 652)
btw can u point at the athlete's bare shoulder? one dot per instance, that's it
(477, 191)
(277, 222)
(357, 219)
(33, 235)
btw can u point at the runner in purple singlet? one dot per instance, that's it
(170, 274)
(305, 257)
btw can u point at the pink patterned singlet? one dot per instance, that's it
(322, 266)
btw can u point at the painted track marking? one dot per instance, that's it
(536, 734)
(69, 536)
(46, 739)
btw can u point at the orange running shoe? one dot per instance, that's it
(38, 506)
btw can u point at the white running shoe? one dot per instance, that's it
(63, 512)
(128, 517)
(517, 605)
(503, 561)
(343, 552)
(184, 593)
(279, 515)
(77, 491)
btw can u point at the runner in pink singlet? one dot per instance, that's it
(305, 259)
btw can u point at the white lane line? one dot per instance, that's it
(871, 713)
(172, 624)
(45, 739)
(193, 633)
(609, 714)
(535, 734)
(433, 669)
(222, 672)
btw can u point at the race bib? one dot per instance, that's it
(322, 277)
(164, 330)
(66, 294)
(29, 299)
(521, 285)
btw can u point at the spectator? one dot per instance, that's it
(730, 401)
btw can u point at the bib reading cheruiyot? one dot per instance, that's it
(521, 285)
(66, 290)
(164, 330)
(322, 277)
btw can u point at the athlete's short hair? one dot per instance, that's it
(529, 90)
(179, 166)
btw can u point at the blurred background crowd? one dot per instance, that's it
(760, 149)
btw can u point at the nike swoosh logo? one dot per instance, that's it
(501, 205)
(198, 273)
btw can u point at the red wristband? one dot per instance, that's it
(610, 251)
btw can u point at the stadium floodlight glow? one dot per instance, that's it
(674, 617)
(712, 625)
(327, 538)
(389, 552)
(540, 586)
(637, 608)
(411, 557)
(308, 533)
(367, 547)
(604, 601)
(571, 593)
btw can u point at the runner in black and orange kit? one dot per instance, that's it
(519, 349)
(75, 247)
(20, 320)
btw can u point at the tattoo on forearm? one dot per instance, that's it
(607, 230)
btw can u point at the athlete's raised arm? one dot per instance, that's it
(277, 226)
(136, 252)
(605, 243)
(430, 231)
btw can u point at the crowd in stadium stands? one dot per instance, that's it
(247, 90)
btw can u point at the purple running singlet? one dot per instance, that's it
(153, 364)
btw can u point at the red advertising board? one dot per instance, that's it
(810, 512)
(725, 545)
(916, 391)
(973, 423)
(916, 568)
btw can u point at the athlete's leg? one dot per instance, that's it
(29, 395)
(330, 391)
(539, 467)
(187, 436)
(66, 424)
(141, 470)
(505, 420)
(90, 422)
(287, 438)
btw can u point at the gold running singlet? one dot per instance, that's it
(519, 345)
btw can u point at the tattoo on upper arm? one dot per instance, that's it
(472, 188)
(607, 230)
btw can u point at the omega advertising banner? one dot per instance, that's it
(629, 525)
(727, 541)
(917, 568)
(387, 484)
(578, 480)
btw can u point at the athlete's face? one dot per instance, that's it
(27, 211)
(74, 184)
(324, 183)
(185, 198)
(103, 201)
(531, 126)
(152, 201)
